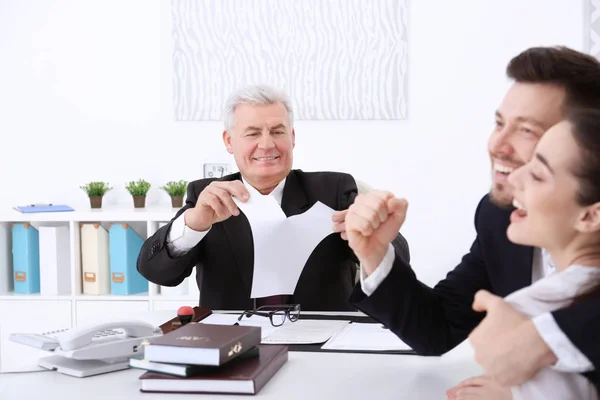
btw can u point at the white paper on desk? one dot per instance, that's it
(282, 245)
(367, 337)
(303, 331)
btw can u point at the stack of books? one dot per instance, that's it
(204, 358)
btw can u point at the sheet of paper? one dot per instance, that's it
(282, 245)
(368, 337)
(303, 331)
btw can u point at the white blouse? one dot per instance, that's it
(548, 294)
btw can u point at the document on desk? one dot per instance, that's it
(282, 245)
(303, 331)
(366, 337)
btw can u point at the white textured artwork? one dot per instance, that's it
(337, 59)
(594, 25)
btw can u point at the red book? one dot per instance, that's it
(240, 376)
(202, 344)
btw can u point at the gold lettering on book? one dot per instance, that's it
(193, 338)
(235, 349)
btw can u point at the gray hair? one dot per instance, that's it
(255, 94)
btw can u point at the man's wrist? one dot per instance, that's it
(371, 264)
(189, 222)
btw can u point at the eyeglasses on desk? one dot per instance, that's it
(277, 314)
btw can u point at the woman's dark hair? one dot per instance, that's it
(586, 132)
(585, 128)
(578, 73)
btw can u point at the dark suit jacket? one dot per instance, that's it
(224, 257)
(433, 321)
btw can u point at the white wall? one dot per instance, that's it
(85, 94)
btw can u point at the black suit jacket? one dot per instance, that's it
(434, 320)
(224, 257)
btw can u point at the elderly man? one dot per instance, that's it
(211, 234)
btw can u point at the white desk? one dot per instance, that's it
(305, 376)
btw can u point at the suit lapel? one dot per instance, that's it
(239, 236)
(294, 200)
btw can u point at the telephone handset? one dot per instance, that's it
(92, 349)
(76, 338)
(79, 337)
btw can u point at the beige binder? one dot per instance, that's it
(95, 265)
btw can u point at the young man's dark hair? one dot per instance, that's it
(578, 73)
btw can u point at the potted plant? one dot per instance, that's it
(138, 190)
(176, 190)
(95, 191)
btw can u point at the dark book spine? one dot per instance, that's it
(240, 346)
(271, 369)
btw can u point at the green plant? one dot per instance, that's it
(175, 188)
(95, 189)
(139, 188)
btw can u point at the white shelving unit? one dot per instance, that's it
(17, 311)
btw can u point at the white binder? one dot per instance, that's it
(6, 270)
(179, 290)
(95, 266)
(55, 260)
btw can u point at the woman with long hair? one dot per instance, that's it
(557, 208)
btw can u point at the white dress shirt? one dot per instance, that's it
(182, 239)
(569, 357)
(550, 293)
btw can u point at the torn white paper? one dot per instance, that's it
(282, 245)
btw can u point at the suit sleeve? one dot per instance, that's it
(581, 323)
(156, 263)
(347, 191)
(430, 320)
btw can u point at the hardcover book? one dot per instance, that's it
(184, 370)
(242, 375)
(202, 344)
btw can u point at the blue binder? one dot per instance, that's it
(124, 247)
(43, 208)
(26, 258)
